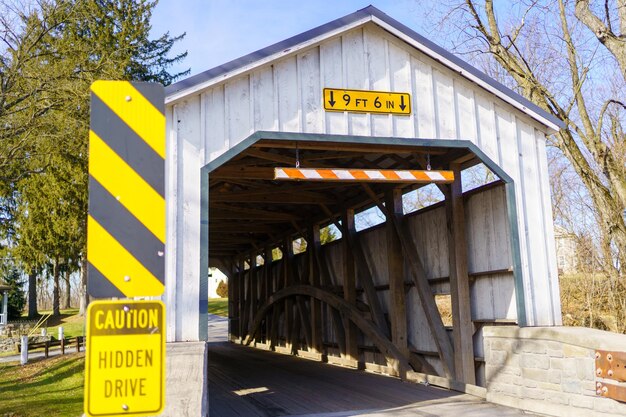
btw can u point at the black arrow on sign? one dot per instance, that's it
(332, 99)
(402, 106)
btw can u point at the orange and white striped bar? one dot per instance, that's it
(363, 175)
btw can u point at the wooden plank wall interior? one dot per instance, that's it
(250, 216)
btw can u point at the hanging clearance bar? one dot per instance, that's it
(363, 175)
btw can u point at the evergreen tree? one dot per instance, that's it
(69, 44)
(17, 301)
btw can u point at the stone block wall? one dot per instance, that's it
(548, 370)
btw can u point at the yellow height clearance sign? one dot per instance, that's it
(126, 222)
(125, 366)
(362, 101)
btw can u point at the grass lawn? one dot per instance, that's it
(218, 306)
(50, 387)
(73, 324)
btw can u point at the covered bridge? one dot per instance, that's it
(367, 299)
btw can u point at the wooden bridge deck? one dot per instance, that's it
(249, 382)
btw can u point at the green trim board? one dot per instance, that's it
(388, 140)
(203, 320)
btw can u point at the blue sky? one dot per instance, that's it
(221, 30)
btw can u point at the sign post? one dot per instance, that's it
(125, 362)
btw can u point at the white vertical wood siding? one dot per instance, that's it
(285, 95)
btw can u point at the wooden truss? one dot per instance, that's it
(289, 305)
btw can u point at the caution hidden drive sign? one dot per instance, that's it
(126, 221)
(367, 101)
(125, 366)
(125, 372)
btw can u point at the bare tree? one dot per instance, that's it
(25, 90)
(569, 58)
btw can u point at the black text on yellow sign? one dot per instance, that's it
(125, 364)
(367, 101)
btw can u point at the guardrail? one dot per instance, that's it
(68, 342)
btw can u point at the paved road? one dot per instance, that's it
(32, 355)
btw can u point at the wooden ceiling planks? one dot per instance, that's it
(249, 211)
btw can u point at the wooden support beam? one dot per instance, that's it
(327, 156)
(349, 290)
(302, 309)
(233, 302)
(295, 331)
(305, 319)
(227, 184)
(433, 317)
(463, 159)
(253, 282)
(374, 198)
(459, 282)
(253, 213)
(270, 156)
(266, 288)
(247, 301)
(395, 267)
(276, 310)
(241, 227)
(288, 281)
(262, 218)
(242, 296)
(274, 197)
(350, 312)
(242, 173)
(314, 246)
(365, 274)
(225, 239)
(327, 281)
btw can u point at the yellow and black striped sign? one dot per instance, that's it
(126, 222)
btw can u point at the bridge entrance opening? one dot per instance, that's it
(341, 272)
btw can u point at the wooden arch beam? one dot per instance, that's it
(394, 357)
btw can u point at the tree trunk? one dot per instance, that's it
(84, 297)
(68, 290)
(56, 310)
(32, 294)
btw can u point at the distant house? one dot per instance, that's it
(215, 276)
(566, 248)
